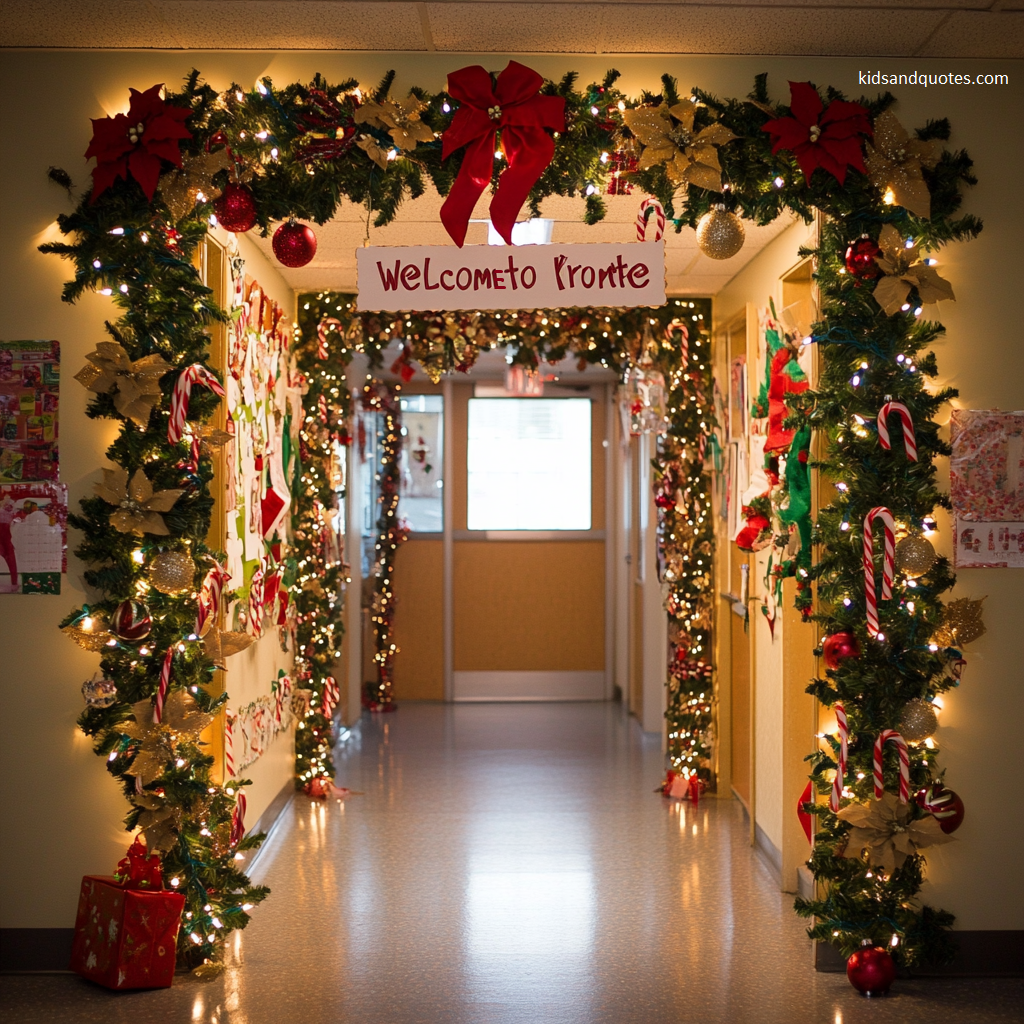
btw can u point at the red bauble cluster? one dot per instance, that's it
(943, 805)
(236, 207)
(860, 259)
(838, 647)
(294, 244)
(131, 621)
(871, 970)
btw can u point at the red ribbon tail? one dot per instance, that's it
(529, 151)
(473, 178)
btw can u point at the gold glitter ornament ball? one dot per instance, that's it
(720, 233)
(918, 720)
(172, 572)
(914, 556)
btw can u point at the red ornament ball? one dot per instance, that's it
(860, 259)
(871, 970)
(838, 647)
(236, 207)
(294, 244)
(131, 621)
(943, 805)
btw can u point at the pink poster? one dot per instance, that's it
(987, 488)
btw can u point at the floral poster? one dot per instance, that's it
(33, 537)
(29, 392)
(987, 488)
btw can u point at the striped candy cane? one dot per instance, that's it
(909, 439)
(331, 696)
(322, 342)
(256, 604)
(684, 345)
(238, 819)
(885, 736)
(844, 749)
(650, 203)
(165, 682)
(194, 374)
(210, 597)
(229, 743)
(888, 564)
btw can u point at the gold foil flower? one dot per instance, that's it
(136, 385)
(888, 831)
(668, 138)
(181, 189)
(904, 270)
(894, 161)
(399, 118)
(139, 508)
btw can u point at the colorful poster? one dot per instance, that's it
(29, 391)
(987, 488)
(33, 537)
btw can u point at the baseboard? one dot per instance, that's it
(770, 853)
(269, 819)
(980, 954)
(528, 686)
(35, 950)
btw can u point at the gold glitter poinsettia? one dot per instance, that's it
(136, 385)
(904, 270)
(894, 161)
(668, 138)
(400, 119)
(181, 189)
(889, 832)
(139, 508)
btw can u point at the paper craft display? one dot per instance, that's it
(987, 488)
(251, 730)
(33, 537)
(264, 402)
(29, 394)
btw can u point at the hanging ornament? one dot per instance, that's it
(943, 805)
(172, 572)
(643, 392)
(914, 556)
(961, 624)
(236, 208)
(90, 632)
(99, 692)
(838, 647)
(131, 621)
(720, 233)
(294, 244)
(918, 720)
(860, 259)
(871, 970)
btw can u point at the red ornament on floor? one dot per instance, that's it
(943, 805)
(236, 208)
(860, 259)
(838, 647)
(294, 244)
(871, 970)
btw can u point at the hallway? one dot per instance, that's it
(509, 864)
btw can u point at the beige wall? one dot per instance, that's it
(61, 812)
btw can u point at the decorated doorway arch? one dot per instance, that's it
(254, 156)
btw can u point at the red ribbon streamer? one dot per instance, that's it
(514, 105)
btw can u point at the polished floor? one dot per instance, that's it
(510, 864)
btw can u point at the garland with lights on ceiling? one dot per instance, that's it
(254, 156)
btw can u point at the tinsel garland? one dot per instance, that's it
(140, 253)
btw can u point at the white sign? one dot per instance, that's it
(482, 277)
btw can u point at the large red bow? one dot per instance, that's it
(515, 106)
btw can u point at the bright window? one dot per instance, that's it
(529, 464)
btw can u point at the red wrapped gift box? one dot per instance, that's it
(125, 937)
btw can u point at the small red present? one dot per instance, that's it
(127, 925)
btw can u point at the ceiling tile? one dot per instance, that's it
(84, 23)
(517, 28)
(293, 25)
(979, 34)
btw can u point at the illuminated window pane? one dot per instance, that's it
(420, 499)
(529, 464)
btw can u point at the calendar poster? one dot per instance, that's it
(33, 537)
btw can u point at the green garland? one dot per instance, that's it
(301, 152)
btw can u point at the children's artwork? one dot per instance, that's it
(738, 399)
(33, 537)
(29, 391)
(987, 488)
(252, 730)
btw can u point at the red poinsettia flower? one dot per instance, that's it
(135, 143)
(819, 136)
